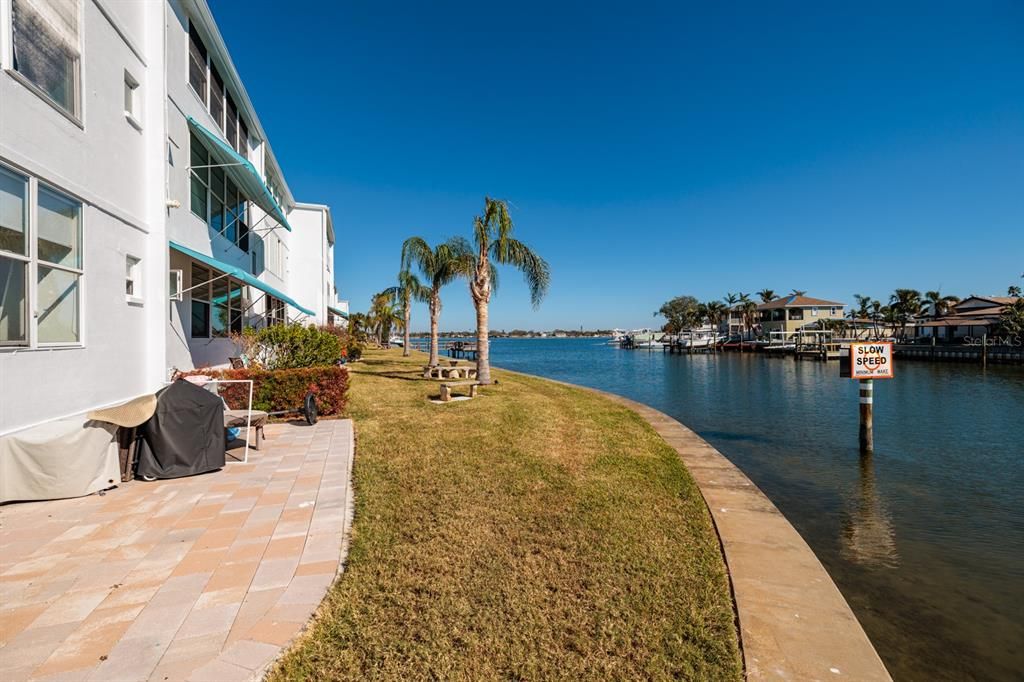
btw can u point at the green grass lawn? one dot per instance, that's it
(536, 532)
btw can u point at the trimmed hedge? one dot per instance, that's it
(284, 389)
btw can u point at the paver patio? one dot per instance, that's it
(199, 578)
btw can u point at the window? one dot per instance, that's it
(199, 162)
(197, 63)
(60, 260)
(796, 313)
(208, 84)
(46, 48)
(133, 278)
(832, 311)
(200, 291)
(131, 100)
(40, 263)
(814, 312)
(216, 96)
(218, 304)
(231, 123)
(275, 311)
(215, 199)
(13, 258)
(243, 138)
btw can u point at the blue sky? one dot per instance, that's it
(654, 149)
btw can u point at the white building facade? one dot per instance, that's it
(143, 215)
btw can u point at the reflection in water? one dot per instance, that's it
(868, 537)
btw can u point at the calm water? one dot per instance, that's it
(925, 538)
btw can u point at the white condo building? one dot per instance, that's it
(143, 215)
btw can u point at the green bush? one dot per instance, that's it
(284, 389)
(292, 346)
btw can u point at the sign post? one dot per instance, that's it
(867, 362)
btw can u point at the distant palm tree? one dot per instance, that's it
(940, 304)
(797, 292)
(493, 244)
(384, 315)
(749, 312)
(905, 304)
(1013, 290)
(714, 310)
(731, 299)
(766, 295)
(876, 315)
(409, 289)
(439, 266)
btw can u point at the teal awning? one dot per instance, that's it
(241, 172)
(241, 275)
(338, 311)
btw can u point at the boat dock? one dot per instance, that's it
(459, 350)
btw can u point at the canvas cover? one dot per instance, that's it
(186, 434)
(65, 458)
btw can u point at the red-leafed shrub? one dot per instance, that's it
(284, 389)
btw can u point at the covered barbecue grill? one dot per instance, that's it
(186, 434)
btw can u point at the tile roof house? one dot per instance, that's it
(790, 313)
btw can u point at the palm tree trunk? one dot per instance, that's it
(483, 343)
(435, 312)
(405, 346)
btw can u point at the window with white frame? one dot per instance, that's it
(205, 79)
(214, 198)
(131, 99)
(133, 278)
(47, 52)
(40, 263)
(14, 258)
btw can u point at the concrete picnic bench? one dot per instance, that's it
(452, 372)
(446, 389)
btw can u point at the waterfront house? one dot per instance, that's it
(972, 317)
(789, 313)
(732, 323)
(143, 214)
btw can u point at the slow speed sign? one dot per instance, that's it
(871, 360)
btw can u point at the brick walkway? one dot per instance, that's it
(200, 578)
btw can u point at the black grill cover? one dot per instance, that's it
(185, 435)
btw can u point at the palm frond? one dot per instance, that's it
(535, 269)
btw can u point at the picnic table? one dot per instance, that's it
(450, 372)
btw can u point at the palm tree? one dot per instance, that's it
(1013, 290)
(877, 314)
(439, 266)
(905, 303)
(940, 304)
(409, 289)
(749, 310)
(384, 315)
(493, 244)
(731, 299)
(714, 310)
(797, 292)
(766, 295)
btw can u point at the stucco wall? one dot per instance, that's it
(103, 162)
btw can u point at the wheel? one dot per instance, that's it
(309, 408)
